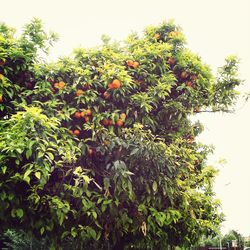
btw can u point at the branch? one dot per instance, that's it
(213, 111)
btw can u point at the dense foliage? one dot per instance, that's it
(100, 147)
(225, 240)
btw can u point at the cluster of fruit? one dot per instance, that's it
(183, 76)
(119, 123)
(132, 64)
(80, 116)
(59, 85)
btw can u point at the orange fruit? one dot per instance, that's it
(171, 61)
(106, 95)
(76, 132)
(135, 65)
(190, 140)
(1, 98)
(130, 63)
(1, 76)
(193, 77)
(61, 85)
(116, 84)
(83, 113)
(110, 85)
(123, 116)
(184, 74)
(172, 34)
(90, 151)
(88, 112)
(56, 85)
(105, 122)
(119, 123)
(77, 115)
(110, 122)
(189, 84)
(86, 118)
(105, 142)
(157, 36)
(79, 92)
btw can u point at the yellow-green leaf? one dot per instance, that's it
(38, 175)
(154, 186)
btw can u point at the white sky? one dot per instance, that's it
(214, 29)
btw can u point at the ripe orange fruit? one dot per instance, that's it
(119, 123)
(157, 36)
(173, 34)
(123, 116)
(189, 84)
(135, 65)
(190, 140)
(116, 84)
(130, 63)
(76, 132)
(184, 74)
(83, 113)
(79, 92)
(110, 122)
(86, 118)
(88, 112)
(56, 85)
(105, 142)
(77, 115)
(1, 98)
(193, 77)
(171, 61)
(61, 85)
(106, 95)
(90, 151)
(105, 122)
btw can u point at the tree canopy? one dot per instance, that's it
(100, 148)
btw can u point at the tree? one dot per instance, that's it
(233, 235)
(100, 147)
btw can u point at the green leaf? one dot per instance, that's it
(19, 213)
(60, 218)
(26, 176)
(4, 168)
(86, 179)
(51, 156)
(38, 175)
(42, 229)
(40, 154)
(28, 153)
(94, 214)
(73, 232)
(154, 186)
(92, 232)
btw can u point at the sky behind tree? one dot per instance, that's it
(214, 29)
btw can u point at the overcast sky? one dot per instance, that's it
(213, 28)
